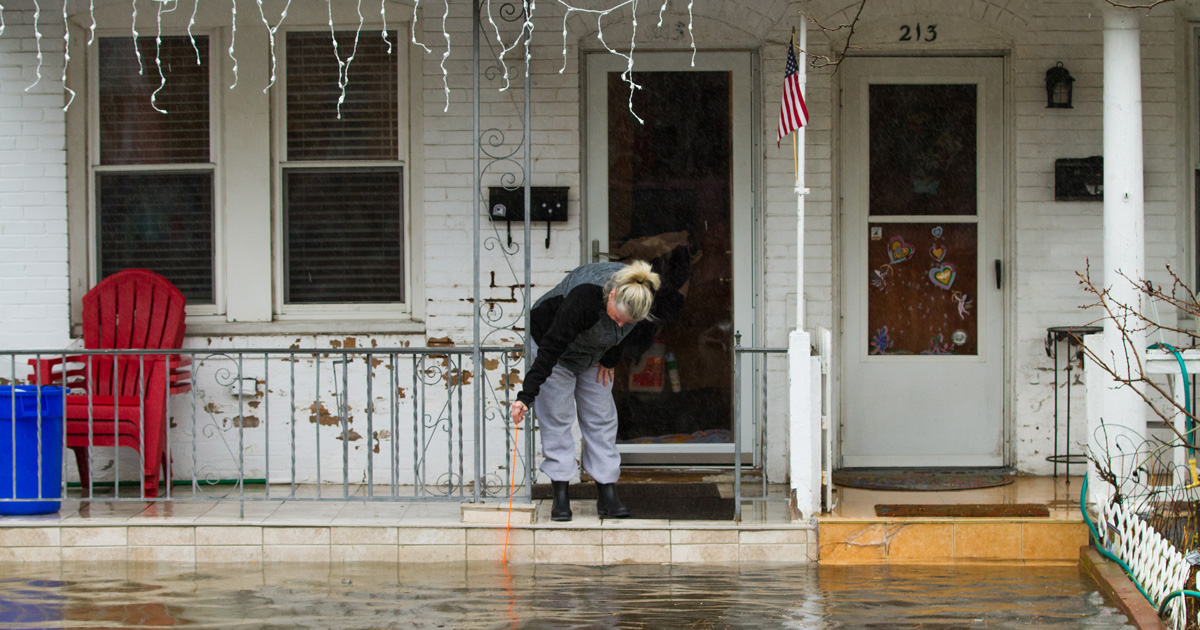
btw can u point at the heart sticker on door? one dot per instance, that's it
(938, 252)
(899, 250)
(943, 276)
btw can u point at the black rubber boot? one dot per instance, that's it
(607, 503)
(561, 510)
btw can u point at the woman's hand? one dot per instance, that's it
(518, 411)
(604, 375)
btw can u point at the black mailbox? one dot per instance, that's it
(1079, 179)
(549, 203)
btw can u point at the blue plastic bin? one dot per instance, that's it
(19, 437)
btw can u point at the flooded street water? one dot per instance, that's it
(550, 597)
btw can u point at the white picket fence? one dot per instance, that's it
(1155, 563)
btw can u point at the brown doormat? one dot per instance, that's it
(923, 479)
(673, 501)
(967, 510)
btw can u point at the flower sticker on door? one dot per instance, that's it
(880, 343)
(943, 276)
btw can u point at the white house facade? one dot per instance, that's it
(948, 208)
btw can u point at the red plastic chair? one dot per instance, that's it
(131, 309)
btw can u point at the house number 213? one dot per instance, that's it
(918, 33)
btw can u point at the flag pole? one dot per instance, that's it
(795, 160)
(801, 191)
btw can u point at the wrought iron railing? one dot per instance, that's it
(261, 424)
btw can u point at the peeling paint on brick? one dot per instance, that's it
(212, 408)
(323, 416)
(440, 342)
(354, 436)
(247, 422)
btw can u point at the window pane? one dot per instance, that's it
(158, 221)
(131, 131)
(919, 167)
(367, 128)
(924, 285)
(344, 235)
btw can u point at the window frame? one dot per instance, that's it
(244, 153)
(350, 311)
(94, 167)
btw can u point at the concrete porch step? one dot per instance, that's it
(948, 541)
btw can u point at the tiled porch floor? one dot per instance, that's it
(301, 530)
(852, 533)
(275, 530)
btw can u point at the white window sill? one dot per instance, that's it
(305, 327)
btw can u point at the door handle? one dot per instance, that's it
(597, 254)
(999, 273)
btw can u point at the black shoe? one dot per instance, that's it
(607, 503)
(561, 510)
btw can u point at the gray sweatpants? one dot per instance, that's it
(565, 397)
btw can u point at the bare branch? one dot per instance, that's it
(1149, 6)
(821, 61)
(1134, 376)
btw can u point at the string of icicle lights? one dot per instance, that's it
(524, 36)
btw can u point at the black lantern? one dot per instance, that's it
(1058, 87)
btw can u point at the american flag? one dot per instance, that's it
(793, 113)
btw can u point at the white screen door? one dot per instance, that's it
(922, 174)
(674, 189)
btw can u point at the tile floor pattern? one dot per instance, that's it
(277, 530)
(302, 530)
(852, 534)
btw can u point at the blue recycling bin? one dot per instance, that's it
(28, 459)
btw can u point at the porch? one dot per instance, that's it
(249, 528)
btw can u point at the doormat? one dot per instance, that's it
(968, 510)
(922, 479)
(673, 501)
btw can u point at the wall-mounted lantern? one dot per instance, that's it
(1058, 87)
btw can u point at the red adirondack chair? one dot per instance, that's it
(131, 309)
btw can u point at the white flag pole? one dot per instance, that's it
(801, 191)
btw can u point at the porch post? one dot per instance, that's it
(804, 442)
(1122, 411)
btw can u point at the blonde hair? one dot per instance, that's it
(635, 286)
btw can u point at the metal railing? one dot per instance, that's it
(752, 390)
(384, 424)
(262, 424)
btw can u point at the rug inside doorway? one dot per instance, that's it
(964, 510)
(922, 479)
(673, 501)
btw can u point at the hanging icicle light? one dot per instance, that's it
(271, 35)
(525, 36)
(191, 37)
(37, 11)
(445, 55)
(66, 56)
(383, 17)
(232, 39)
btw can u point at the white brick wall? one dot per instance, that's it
(33, 219)
(1051, 240)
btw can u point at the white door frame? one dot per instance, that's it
(995, 188)
(742, 207)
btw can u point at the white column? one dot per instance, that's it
(804, 435)
(1122, 411)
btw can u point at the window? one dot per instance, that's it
(342, 179)
(153, 179)
(272, 198)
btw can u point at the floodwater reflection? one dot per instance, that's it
(377, 596)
